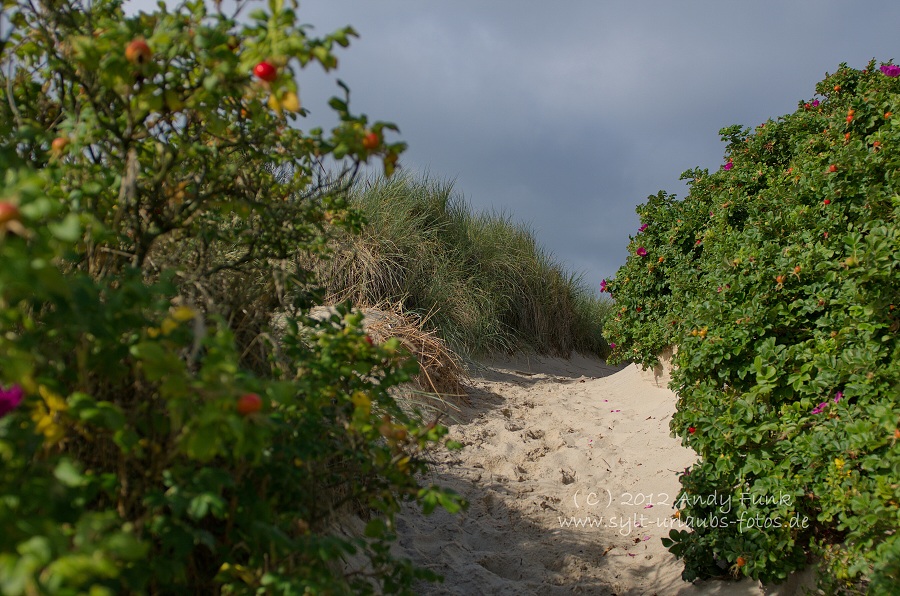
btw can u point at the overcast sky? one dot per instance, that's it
(568, 114)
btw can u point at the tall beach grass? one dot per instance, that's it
(481, 280)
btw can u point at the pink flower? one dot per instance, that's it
(815, 103)
(603, 285)
(728, 166)
(643, 227)
(641, 251)
(821, 407)
(612, 345)
(890, 70)
(10, 399)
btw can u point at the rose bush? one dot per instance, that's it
(778, 279)
(152, 188)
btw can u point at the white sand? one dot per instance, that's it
(548, 440)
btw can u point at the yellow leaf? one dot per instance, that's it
(362, 402)
(290, 102)
(168, 326)
(47, 414)
(275, 104)
(55, 403)
(184, 313)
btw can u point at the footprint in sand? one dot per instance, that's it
(534, 434)
(512, 540)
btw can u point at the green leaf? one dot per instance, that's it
(376, 528)
(126, 546)
(68, 474)
(68, 230)
(203, 443)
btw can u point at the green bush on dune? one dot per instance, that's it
(152, 192)
(778, 279)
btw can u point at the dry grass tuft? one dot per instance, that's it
(441, 370)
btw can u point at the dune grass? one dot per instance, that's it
(481, 280)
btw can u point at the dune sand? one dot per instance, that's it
(548, 440)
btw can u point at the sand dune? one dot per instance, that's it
(551, 444)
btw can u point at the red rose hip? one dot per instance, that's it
(249, 403)
(371, 141)
(265, 71)
(8, 213)
(138, 52)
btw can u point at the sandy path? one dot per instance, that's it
(549, 440)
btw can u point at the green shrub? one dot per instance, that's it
(142, 451)
(481, 279)
(778, 279)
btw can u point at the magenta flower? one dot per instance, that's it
(603, 287)
(643, 227)
(838, 396)
(612, 346)
(641, 251)
(820, 408)
(728, 166)
(815, 103)
(890, 70)
(10, 399)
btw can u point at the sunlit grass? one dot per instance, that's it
(480, 279)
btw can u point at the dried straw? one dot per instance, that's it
(441, 371)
